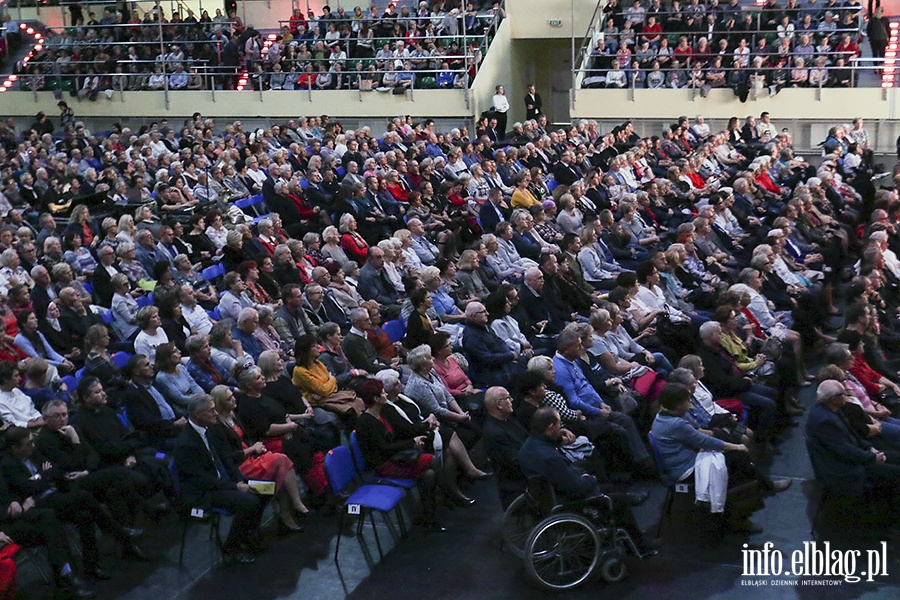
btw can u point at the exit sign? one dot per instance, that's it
(555, 23)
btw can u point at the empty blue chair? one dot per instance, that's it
(210, 273)
(360, 463)
(395, 330)
(365, 498)
(79, 374)
(145, 300)
(552, 184)
(120, 358)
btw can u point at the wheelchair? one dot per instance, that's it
(566, 544)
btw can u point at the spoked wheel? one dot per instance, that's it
(562, 552)
(520, 518)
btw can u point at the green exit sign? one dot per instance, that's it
(555, 23)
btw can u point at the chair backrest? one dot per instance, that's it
(356, 451)
(210, 273)
(244, 203)
(216, 314)
(108, 317)
(123, 417)
(88, 287)
(173, 475)
(79, 374)
(145, 300)
(657, 459)
(70, 382)
(339, 469)
(541, 493)
(120, 358)
(394, 330)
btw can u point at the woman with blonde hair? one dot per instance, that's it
(256, 462)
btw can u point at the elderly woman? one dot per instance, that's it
(353, 244)
(499, 262)
(79, 257)
(704, 413)
(443, 303)
(469, 277)
(628, 347)
(174, 380)
(233, 297)
(318, 424)
(569, 218)
(315, 380)
(249, 272)
(38, 386)
(452, 375)
(127, 230)
(638, 377)
(130, 266)
(33, 343)
(205, 370)
(391, 455)
(225, 350)
(266, 334)
(507, 253)
(215, 229)
(256, 462)
(544, 223)
(151, 335)
(331, 249)
(428, 390)
(684, 449)
(267, 420)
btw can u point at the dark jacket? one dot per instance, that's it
(502, 442)
(375, 285)
(143, 412)
(839, 457)
(378, 444)
(487, 354)
(539, 456)
(361, 354)
(106, 434)
(197, 473)
(58, 449)
(489, 218)
(722, 374)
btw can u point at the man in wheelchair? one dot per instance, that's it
(540, 455)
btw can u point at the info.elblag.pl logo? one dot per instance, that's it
(814, 560)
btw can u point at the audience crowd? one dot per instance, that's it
(334, 50)
(712, 45)
(247, 298)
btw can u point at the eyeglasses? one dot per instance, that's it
(57, 415)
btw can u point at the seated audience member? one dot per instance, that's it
(146, 407)
(208, 477)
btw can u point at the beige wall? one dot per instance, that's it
(422, 103)
(530, 18)
(496, 69)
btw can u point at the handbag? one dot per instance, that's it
(627, 401)
(409, 456)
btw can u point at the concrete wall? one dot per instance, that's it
(530, 19)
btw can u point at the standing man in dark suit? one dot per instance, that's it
(533, 103)
(209, 479)
(842, 460)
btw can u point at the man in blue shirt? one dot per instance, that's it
(582, 396)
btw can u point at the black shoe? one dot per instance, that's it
(132, 552)
(238, 557)
(285, 529)
(484, 475)
(648, 548)
(430, 525)
(72, 587)
(460, 499)
(96, 573)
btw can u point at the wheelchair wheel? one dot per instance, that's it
(613, 569)
(562, 552)
(520, 518)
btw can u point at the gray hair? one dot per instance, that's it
(199, 402)
(709, 328)
(540, 364)
(246, 314)
(828, 389)
(389, 377)
(194, 343)
(682, 375)
(358, 314)
(418, 356)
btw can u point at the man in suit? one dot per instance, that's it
(375, 285)
(533, 103)
(209, 479)
(146, 407)
(103, 288)
(841, 459)
(42, 294)
(725, 379)
(491, 213)
(540, 455)
(74, 318)
(565, 172)
(536, 313)
(357, 347)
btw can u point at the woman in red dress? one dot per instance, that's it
(353, 244)
(256, 462)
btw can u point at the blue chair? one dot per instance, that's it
(79, 374)
(672, 487)
(552, 184)
(395, 330)
(88, 287)
(70, 382)
(120, 358)
(123, 417)
(210, 273)
(108, 317)
(364, 498)
(145, 300)
(360, 463)
(341, 171)
(304, 183)
(215, 314)
(186, 515)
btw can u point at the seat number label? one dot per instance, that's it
(353, 509)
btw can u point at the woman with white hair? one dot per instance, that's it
(428, 390)
(331, 250)
(353, 243)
